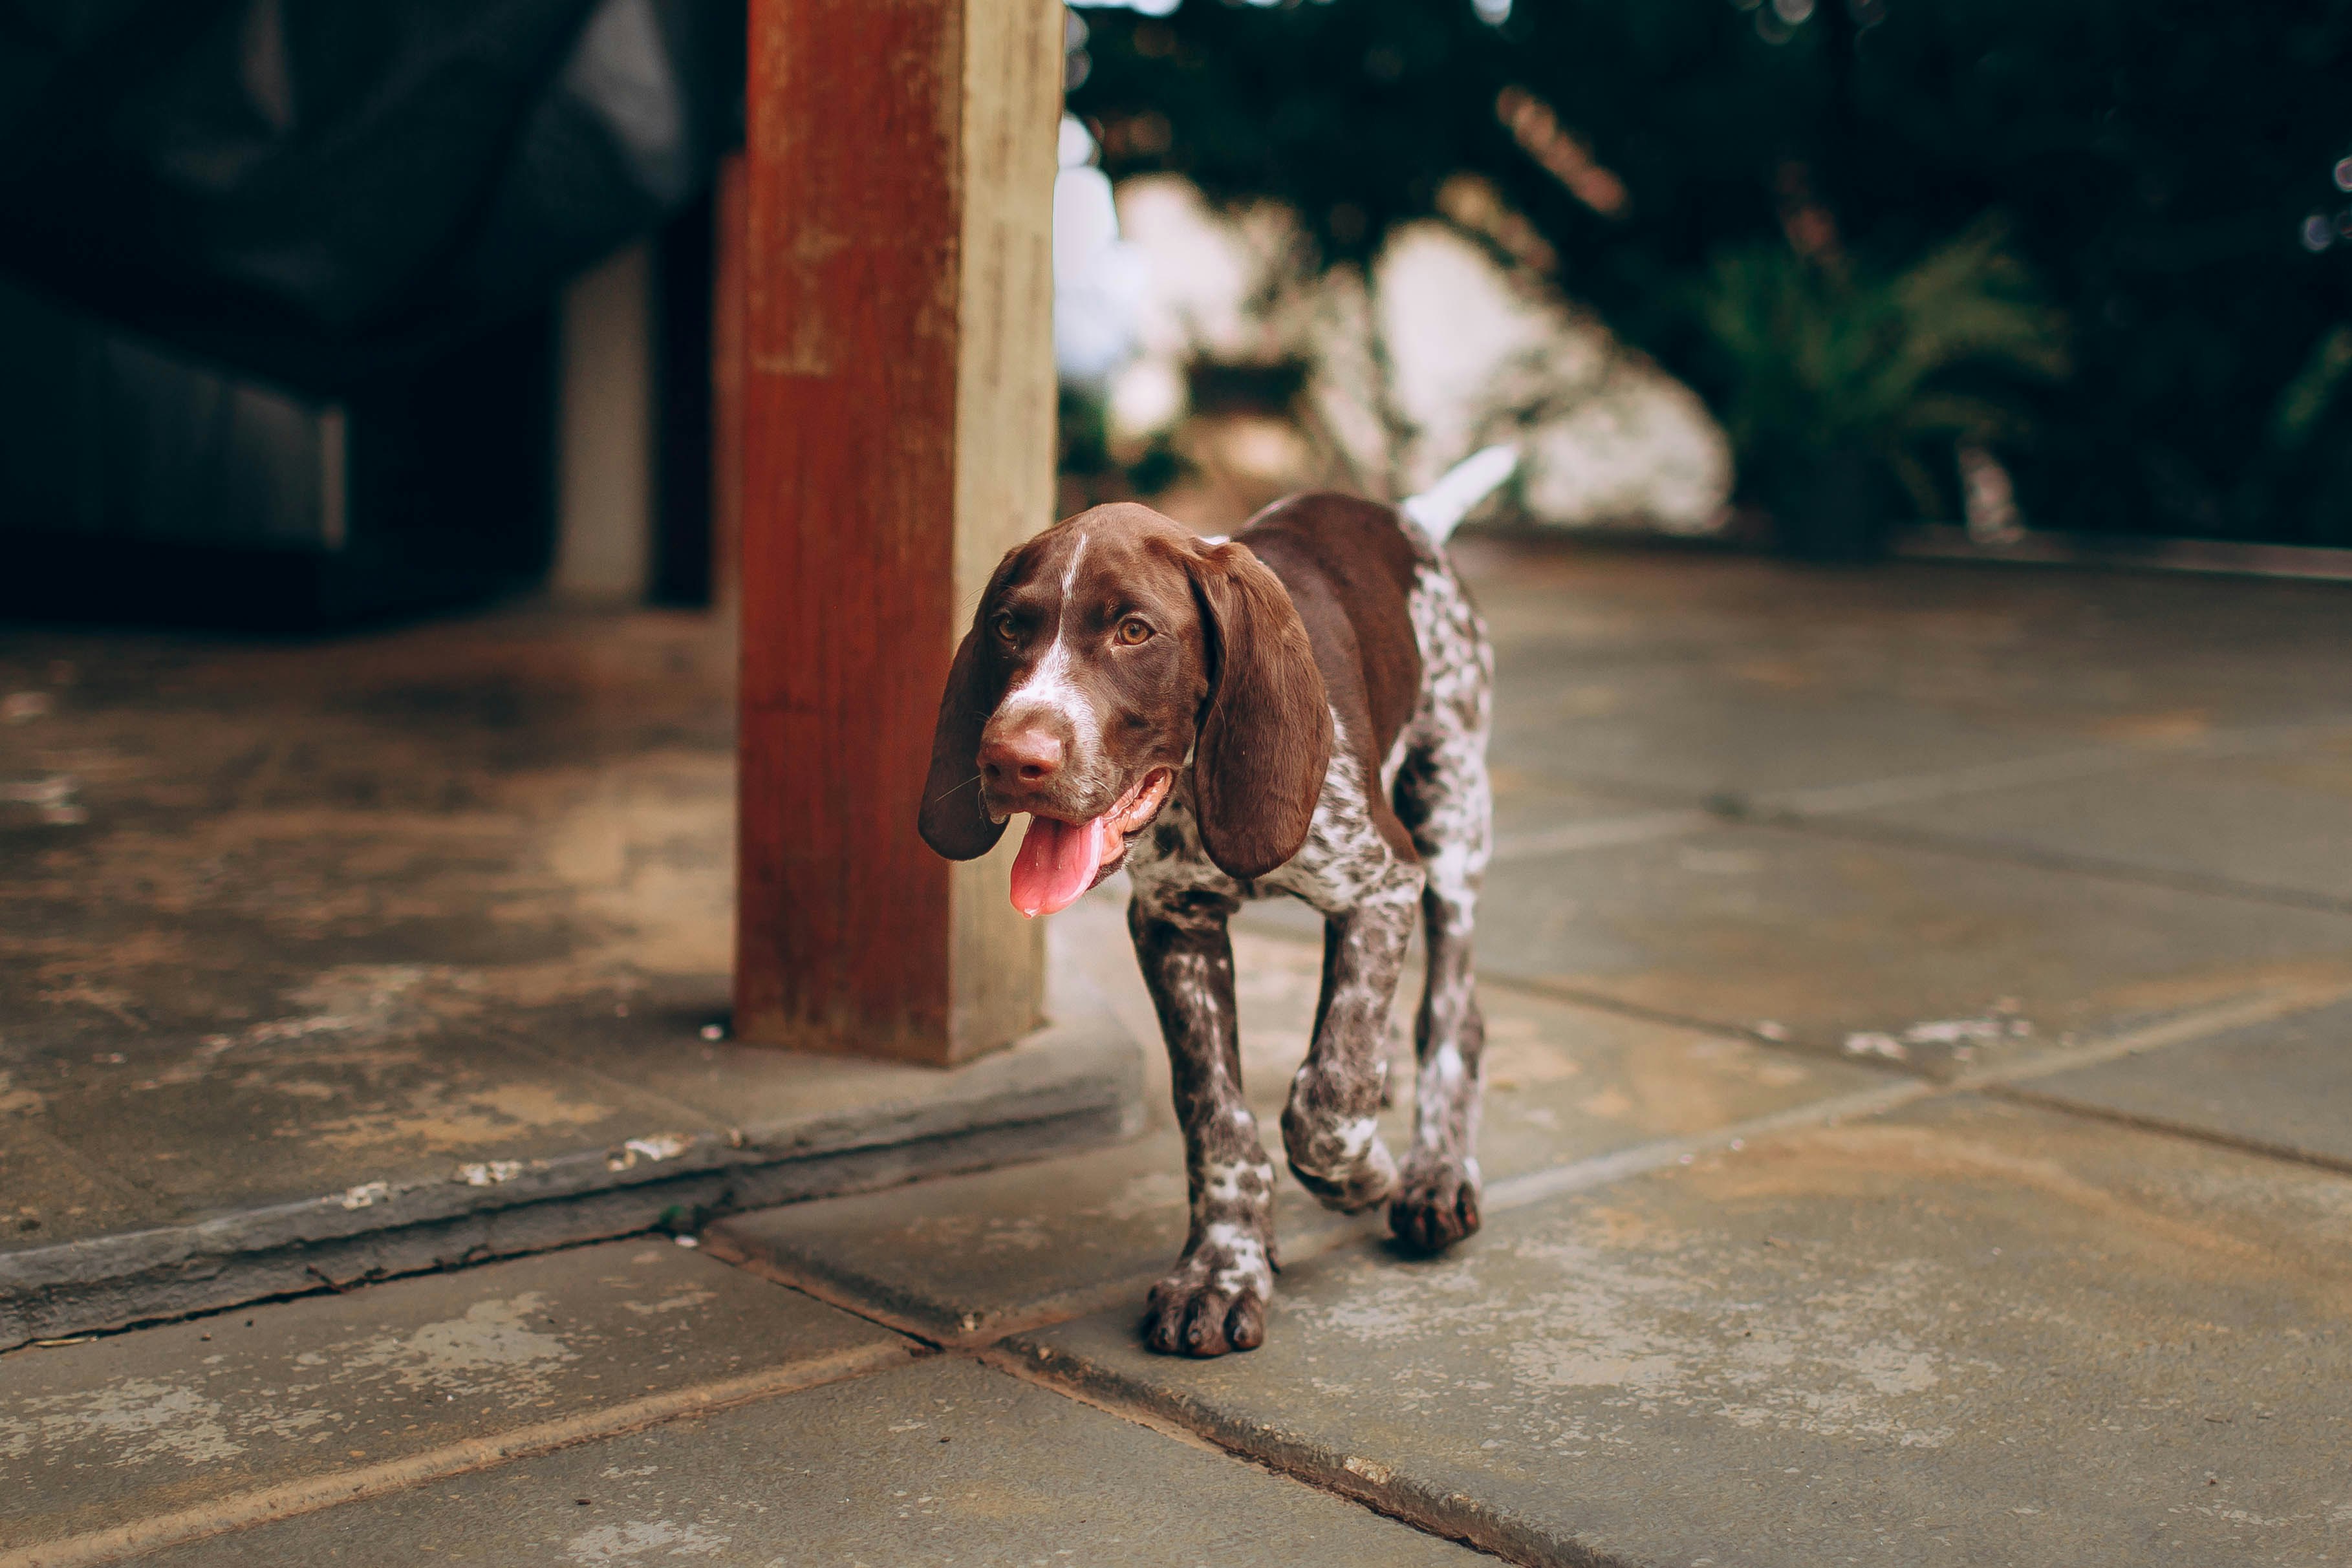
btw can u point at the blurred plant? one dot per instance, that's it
(1831, 379)
(1090, 472)
(2307, 398)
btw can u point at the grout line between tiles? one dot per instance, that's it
(1829, 810)
(2285, 1152)
(2215, 1017)
(2065, 862)
(1535, 1186)
(1600, 1001)
(1013, 1364)
(1451, 1516)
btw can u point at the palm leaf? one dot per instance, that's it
(1809, 362)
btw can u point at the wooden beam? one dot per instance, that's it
(899, 428)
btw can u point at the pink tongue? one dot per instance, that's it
(1056, 863)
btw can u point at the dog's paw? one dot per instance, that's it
(1214, 1301)
(1344, 1165)
(1436, 1205)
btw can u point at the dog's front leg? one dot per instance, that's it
(1330, 1126)
(1215, 1300)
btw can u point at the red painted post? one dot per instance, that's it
(897, 399)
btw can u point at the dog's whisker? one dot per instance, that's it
(953, 788)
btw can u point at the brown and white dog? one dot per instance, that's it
(1301, 709)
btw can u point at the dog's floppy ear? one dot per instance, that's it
(951, 820)
(1265, 736)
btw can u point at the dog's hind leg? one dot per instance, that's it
(1214, 1300)
(1443, 798)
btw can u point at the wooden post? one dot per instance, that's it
(898, 430)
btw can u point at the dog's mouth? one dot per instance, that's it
(1059, 860)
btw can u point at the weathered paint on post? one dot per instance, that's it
(898, 401)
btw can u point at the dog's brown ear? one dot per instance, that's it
(951, 820)
(1266, 738)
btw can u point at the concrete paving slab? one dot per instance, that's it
(862, 1125)
(355, 1080)
(1940, 962)
(1532, 806)
(2274, 824)
(1681, 733)
(942, 1463)
(120, 1444)
(2114, 657)
(47, 1189)
(1677, 683)
(2283, 1086)
(396, 951)
(969, 1258)
(1968, 1332)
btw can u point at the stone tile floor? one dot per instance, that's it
(1921, 1010)
(327, 961)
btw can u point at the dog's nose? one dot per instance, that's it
(1024, 755)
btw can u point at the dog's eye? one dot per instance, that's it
(1003, 627)
(1134, 630)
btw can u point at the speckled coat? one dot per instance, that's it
(1404, 815)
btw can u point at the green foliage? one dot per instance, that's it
(2169, 165)
(1085, 456)
(2309, 396)
(1807, 358)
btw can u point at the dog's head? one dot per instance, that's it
(1109, 653)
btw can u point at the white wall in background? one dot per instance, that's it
(1607, 436)
(1099, 279)
(604, 432)
(1468, 354)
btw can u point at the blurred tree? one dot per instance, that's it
(2174, 171)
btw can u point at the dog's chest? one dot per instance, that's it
(1343, 860)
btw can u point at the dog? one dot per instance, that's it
(1301, 709)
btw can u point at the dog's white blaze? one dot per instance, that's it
(1049, 685)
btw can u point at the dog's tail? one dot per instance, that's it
(1443, 505)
